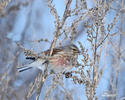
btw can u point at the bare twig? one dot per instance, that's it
(60, 26)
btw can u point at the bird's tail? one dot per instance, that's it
(36, 64)
(21, 69)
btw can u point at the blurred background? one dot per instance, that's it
(97, 27)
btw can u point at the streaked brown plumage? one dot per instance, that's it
(63, 58)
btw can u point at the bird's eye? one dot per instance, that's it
(75, 49)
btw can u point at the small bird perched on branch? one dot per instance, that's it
(62, 59)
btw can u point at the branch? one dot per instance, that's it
(102, 41)
(59, 27)
(28, 53)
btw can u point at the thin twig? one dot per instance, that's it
(59, 27)
(102, 41)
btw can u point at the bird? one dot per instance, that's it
(62, 59)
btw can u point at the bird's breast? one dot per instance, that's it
(60, 60)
